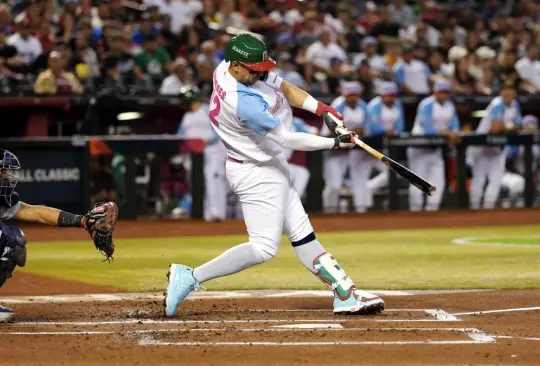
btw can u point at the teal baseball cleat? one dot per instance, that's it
(6, 315)
(180, 284)
(359, 302)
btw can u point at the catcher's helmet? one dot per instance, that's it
(189, 94)
(250, 52)
(8, 181)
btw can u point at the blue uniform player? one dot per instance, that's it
(436, 115)
(99, 223)
(488, 162)
(385, 117)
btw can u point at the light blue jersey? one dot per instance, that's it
(433, 117)
(381, 118)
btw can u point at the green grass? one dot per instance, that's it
(399, 259)
(512, 240)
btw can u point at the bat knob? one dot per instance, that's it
(432, 190)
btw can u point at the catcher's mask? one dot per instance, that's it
(8, 181)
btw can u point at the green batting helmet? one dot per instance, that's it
(188, 94)
(250, 52)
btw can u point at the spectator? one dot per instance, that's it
(178, 78)
(401, 14)
(392, 54)
(285, 68)
(318, 55)
(9, 61)
(101, 13)
(463, 82)
(229, 17)
(182, 12)
(55, 80)
(507, 74)
(152, 59)
(83, 54)
(437, 67)
(310, 31)
(421, 32)
(410, 74)
(528, 67)
(285, 15)
(119, 66)
(26, 44)
(45, 36)
(146, 26)
(369, 19)
(5, 19)
(72, 12)
(365, 78)
(385, 27)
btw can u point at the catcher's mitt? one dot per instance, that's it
(99, 222)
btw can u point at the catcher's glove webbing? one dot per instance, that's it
(99, 222)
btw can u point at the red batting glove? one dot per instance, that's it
(321, 108)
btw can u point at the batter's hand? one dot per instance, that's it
(322, 108)
(345, 141)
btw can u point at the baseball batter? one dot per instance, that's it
(251, 112)
(385, 117)
(336, 163)
(299, 174)
(488, 162)
(195, 125)
(436, 115)
(99, 223)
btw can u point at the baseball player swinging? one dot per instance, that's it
(488, 162)
(336, 163)
(251, 112)
(436, 115)
(385, 117)
(195, 125)
(99, 223)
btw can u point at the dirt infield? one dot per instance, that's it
(435, 329)
(279, 331)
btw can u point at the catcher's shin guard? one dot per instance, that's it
(347, 298)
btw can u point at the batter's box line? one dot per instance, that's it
(476, 337)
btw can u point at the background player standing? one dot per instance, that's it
(488, 162)
(196, 125)
(336, 163)
(385, 117)
(251, 112)
(436, 115)
(99, 223)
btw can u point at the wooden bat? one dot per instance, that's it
(409, 175)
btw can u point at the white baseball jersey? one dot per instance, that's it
(242, 115)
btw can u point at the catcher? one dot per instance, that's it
(99, 223)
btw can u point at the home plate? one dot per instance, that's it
(310, 326)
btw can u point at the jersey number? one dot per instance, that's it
(213, 113)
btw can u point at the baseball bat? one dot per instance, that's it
(409, 175)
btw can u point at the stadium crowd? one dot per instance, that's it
(80, 46)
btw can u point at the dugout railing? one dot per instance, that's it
(59, 172)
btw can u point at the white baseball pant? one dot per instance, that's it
(215, 200)
(300, 178)
(486, 165)
(428, 164)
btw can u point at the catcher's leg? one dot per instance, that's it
(12, 254)
(347, 298)
(262, 191)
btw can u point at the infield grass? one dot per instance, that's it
(399, 259)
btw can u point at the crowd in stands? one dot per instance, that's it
(156, 46)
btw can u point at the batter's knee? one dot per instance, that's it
(267, 247)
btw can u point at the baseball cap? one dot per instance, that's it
(250, 52)
(369, 41)
(351, 88)
(389, 88)
(442, 86)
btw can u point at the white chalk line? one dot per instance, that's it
(146, 342)
(471, 241)
(519, 338)
(467, 331)
(498, 311)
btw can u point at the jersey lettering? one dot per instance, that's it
(214, 112)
